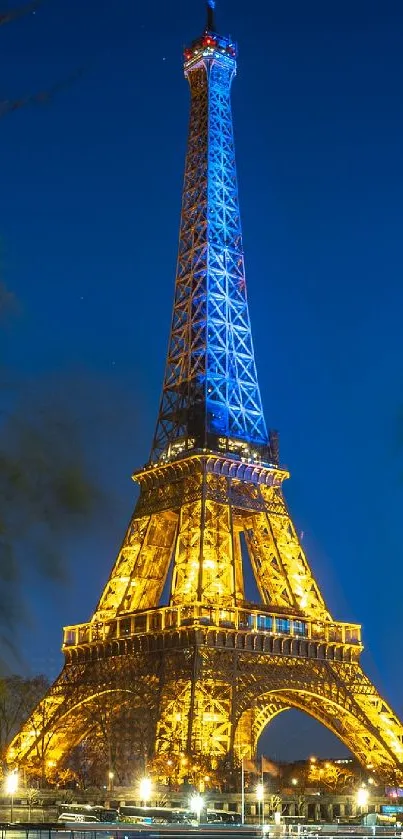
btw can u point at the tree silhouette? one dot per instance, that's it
(8, 106)
(18, 697)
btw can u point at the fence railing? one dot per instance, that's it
(198, 615)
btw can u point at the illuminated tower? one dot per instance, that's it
(210, 670)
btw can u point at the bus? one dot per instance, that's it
(174, 815)
(155, 815)
(87, 813)
(223, 817)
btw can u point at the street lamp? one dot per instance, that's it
(111, 776)
(145, 790)
(196, 806)
(362, 798)
(11, 789)
(294, 781)
(260, 800)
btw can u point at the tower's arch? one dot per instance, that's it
(119, 717)
(341, 716)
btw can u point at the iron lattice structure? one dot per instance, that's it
(209, 671)
(210, 388)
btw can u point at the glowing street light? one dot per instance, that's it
(260, 799)
(294, 781)
(145, 790)
(12, 783)
(11, 787)
(196, 805)
(111, 776)
(362, 797)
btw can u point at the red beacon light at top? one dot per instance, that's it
(208, 41)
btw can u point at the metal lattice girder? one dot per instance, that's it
(139, 573)
(210, 384)
(204, 556)
(197, 508)
(195, 719)
(281, 569)
(83, 692)
(212, 701)
(338, 695)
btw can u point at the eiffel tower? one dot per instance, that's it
(209, 671)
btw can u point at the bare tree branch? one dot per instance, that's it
(13, 14)
(8, 106)
(42, 97)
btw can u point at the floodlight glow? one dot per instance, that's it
(11, 783)
(145, 789)
(259, 792)
(196, 805)
(362, 797)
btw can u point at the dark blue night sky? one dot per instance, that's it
(90, 200)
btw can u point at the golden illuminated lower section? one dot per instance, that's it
(194, 512)
(202, 677)
(207, 692)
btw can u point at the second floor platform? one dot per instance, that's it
(255, 629)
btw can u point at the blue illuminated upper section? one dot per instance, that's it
(211, 396)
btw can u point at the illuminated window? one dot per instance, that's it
(245, 620)
(265, 622)
(70, 637)
(283, 625)
(299, 628)
(125, 626)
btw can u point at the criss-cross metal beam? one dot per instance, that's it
(210, 390)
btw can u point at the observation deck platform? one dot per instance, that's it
(254, 630)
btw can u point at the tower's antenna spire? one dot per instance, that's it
(210, 15)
